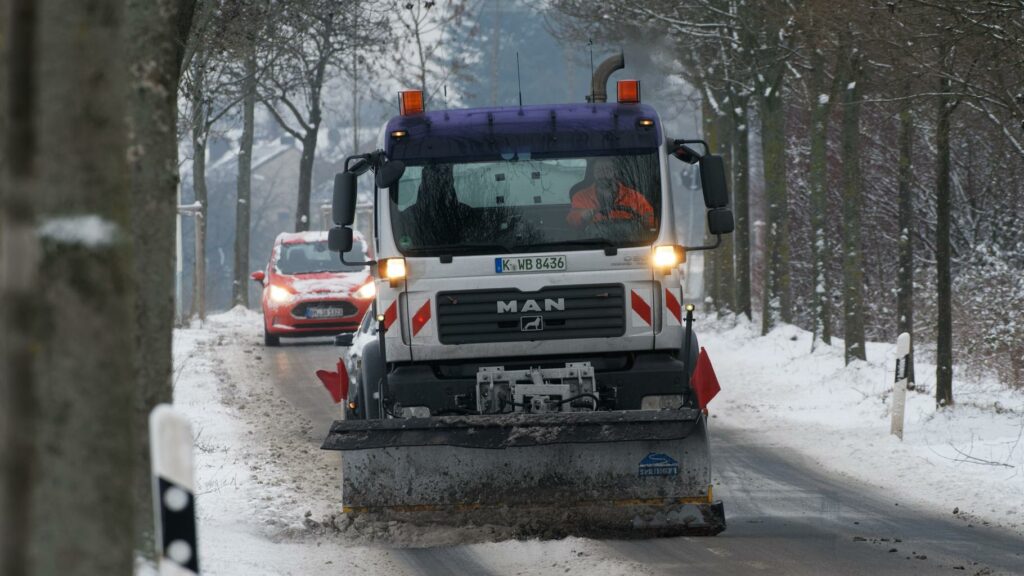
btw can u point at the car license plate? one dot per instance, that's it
(529, 264)
(324, 312)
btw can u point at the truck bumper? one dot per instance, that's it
(626, 378)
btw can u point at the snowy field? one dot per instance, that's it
(268, 497)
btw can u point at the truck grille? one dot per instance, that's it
(510, 315)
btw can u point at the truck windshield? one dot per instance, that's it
(527, 205)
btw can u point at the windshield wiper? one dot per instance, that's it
(448, 249)
(596, 242)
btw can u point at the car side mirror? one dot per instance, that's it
(344, 339)
(390, 173)
(340, 239)
(343, 210)
(714, 181)
(258, 276)
(720, 221)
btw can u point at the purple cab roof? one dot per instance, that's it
(542, 130)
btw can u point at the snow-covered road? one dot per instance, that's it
(268, 496)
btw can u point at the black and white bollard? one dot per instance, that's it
(899, 389)
(170, 441)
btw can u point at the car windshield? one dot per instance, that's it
(527, 205)
(313, 257)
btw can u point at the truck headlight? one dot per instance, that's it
(668, 256)
(367, 291)
(280, 295)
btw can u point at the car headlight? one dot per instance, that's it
(280, 295)
(367, 291)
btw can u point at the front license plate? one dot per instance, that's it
(324, 312)
(529, 264)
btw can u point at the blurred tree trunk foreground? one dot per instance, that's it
(86, 250)
(67, 284)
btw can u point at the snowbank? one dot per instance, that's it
(970, 457)
(268, 499)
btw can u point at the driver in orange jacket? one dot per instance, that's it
(608, 198)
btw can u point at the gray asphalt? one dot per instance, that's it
(785, 514)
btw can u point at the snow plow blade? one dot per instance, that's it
(596, 474)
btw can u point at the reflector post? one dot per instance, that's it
(410, 102)
(629, 91)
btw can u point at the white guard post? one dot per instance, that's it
(170, 440)
(899, 389)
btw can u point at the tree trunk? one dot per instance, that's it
(711, 265)
(723, 255)
(821, 239)
(741, 206)
(243, 206)
(943, 253)
(199, 135)
(853, 266)
(67, 282)
(305, 181)
(355, 100)
(155, 42)
(905, 279)
(18, 415)
(776, 300)
(309, 148)
(495, 53)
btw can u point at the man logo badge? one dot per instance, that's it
(531, 323)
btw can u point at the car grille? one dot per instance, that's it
(346, 308)
(472, 316)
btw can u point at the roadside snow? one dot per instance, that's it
(970, 457)
(247, 506)
(268, 500)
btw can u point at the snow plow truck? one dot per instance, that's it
(529, 366)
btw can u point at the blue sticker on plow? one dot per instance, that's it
(658, 464)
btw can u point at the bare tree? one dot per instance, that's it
(311, 36)
(428, 24)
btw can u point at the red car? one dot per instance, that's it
(308, 291)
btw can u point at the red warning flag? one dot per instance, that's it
(704, 382)
(335, 382)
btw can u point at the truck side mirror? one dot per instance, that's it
(344, 209)
(390, 173)
(339, 239)
(720, 221)
(258, 276)
(714, 182)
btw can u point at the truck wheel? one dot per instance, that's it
(269, 339)
(372, 372)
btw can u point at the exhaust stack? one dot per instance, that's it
(599, 83)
